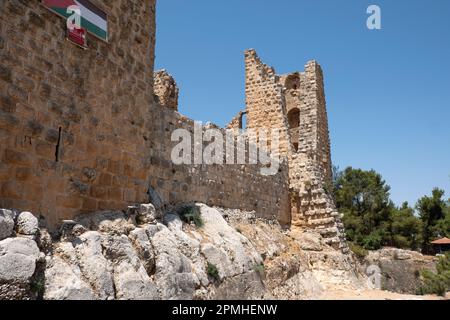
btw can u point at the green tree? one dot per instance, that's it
(439, 282)
(363, 198)
(443, 225)
(336, 178)
(433, 212)
(405, 228)
(372, 220)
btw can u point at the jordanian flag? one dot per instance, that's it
(93, 19)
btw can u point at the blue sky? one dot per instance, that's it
(388, 91)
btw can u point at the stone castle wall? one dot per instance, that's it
(72, 121)
(230, 186)
(295, 104)
(266, 107)
(166, 89)
(81, 130)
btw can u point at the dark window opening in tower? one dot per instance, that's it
(292, 82)
(294, 118)
(243, 121)
(294, 127)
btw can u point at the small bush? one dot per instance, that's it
(191, 214)
(37, 286)
(213, 272)
(437, 283)
(359, 251)
(261, 270)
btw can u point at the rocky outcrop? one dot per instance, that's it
(297, 265)
(20, 258)
(27, 224)
(145, 253)
(399, 270)
(6, 223)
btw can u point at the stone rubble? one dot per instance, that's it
(27, 224)
(119, 255)
(6, 223)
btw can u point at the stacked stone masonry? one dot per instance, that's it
(89, 130)
(81, 131)
(166, 89)
(295, 105)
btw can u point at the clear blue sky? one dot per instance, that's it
(388, 91)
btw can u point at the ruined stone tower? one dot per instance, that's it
(166, 89)
(295, 105)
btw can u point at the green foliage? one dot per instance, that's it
(443, 225)
(437, 283)
(405, 228)
(359, 251)
(37, 286)
(212, 271)
(191, 214)
(372, 220)
(363, 198)
(433, 212)
(261, 270)
(331, 188)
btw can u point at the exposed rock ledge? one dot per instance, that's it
(399, 269)
(145, 254)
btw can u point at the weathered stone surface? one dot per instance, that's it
(141, 241)
(289, 271)
(155, 198)
(27, 224)
(108, 222)
(63, 282)
(146, 214)
(131, 280)
(134, 284)
(40, 81)
(18, 258)
(218, 258)
(403, 255)
(247, 286)
(173, 269)
(6, 223)
(296, 102)
(223, 236)
(172, 221)
(93, 265)
(309, 241)
(166, 89)
(151, 230)
(255, 259)
(45, 241)
(400, 269)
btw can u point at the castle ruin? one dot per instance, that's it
(89, 130)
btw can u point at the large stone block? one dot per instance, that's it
(6, 223)
(16, 157)
(27, 224)
(18, 258)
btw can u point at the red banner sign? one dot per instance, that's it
(77, 36)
